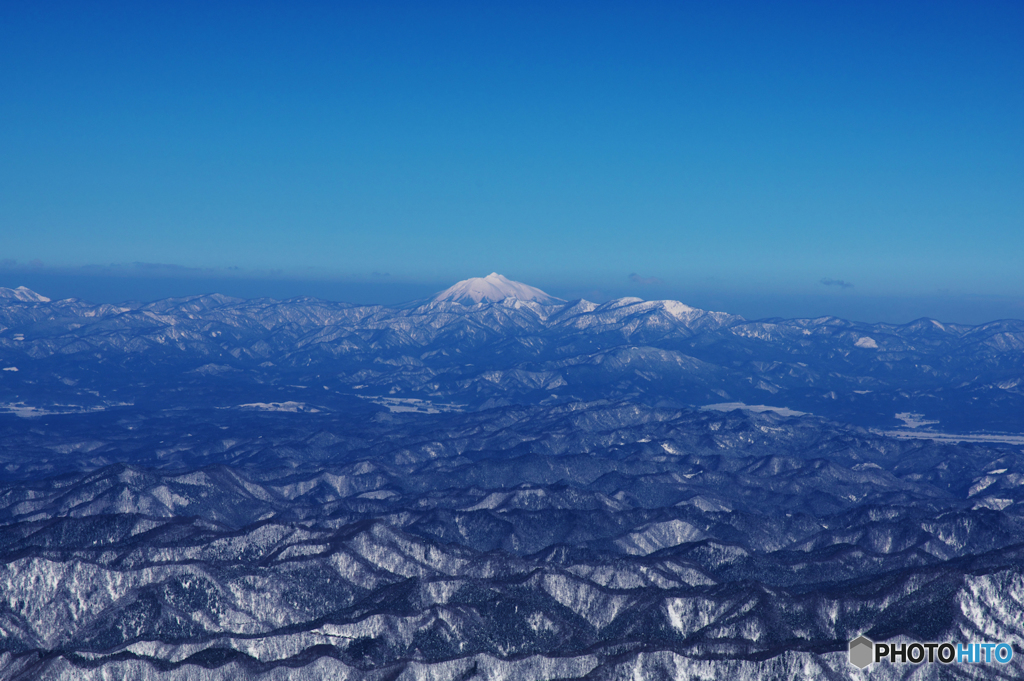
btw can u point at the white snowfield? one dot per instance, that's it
(289, 406)
(1008, 438)
(757, 408)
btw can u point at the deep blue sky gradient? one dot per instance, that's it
(743, 150)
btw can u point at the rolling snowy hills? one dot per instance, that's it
(495, 484)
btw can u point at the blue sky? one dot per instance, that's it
(720, 151)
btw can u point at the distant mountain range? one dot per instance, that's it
(490, 341)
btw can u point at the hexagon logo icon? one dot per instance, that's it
(862, 652)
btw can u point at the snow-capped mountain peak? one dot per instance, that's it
(492, 289)
(25, 295)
